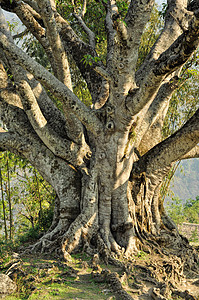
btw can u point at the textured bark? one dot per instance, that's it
(106, 163)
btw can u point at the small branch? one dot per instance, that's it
(21, 34)
(79, 17)
(103, 73)
(83, 8)
(90, 33)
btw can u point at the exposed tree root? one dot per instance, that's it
(184, 295)
(157, 274)
(115, 283)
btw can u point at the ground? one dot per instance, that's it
(144, 277)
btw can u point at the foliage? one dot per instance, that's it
(191, 210)
(194, 236)
(184, 102)
(6, 248)
(187, 212)
(34, 49)
(175, 210)
(32, 199)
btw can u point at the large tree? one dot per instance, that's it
(105, 162)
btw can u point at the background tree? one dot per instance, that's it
(26, 200)
(106, 162)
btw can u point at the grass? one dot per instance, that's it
(48, 279)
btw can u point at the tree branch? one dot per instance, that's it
(72, 44)
(56, 62)
(33, 4)
(58, 123)
(13, 142)
(71, 102)
(171, 31)
(194, 153)
(180, 51)
(149, 130)
(62, 70)
(52, 114)
(172, 59)
(9, 95)
(79, 17)
(59, 146)
(111, 10)
(21, 34)
(171, 149)
(7, 91)
(137, 16)
(27, 18)
(79, 50)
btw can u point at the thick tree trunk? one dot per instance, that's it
(105, 208)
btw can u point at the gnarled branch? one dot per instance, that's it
(149, 130)
(171, 149)
(59, 146)
(171, 31)
(169, 61)
(26, 16)
(71, 102)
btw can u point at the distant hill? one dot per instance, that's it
(185, 183)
